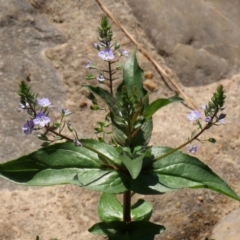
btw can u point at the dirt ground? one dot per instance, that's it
(66, 212)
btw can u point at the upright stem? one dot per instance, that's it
(110, 77)
(127, 206)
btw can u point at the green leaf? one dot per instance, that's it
(43, 166)
(133, 84)
(105, 152)
(109, 208)
(134, 166)
(42, 137)
(90, 77)
(143, 136)
(212, 140)
(64, 163)
(122, 231)
(132, 78)
(179, 170)
(108, 181)
(176, 171)
(159, 103)
(118, 134)
(106, 97)
(141, 210)
(147, 183)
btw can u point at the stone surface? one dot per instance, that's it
(55, 54)
(228, 227)
(198, 39)
(24, 34)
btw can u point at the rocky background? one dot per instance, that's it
(48, 44)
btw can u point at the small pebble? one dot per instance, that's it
(83, 104)
(178, 205)
(60, 196)
(214, 210)
(148, 75)
(150, 85)
(200, 198)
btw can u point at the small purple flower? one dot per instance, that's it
(90, 65)
(194, 115)
(97, 46)
(221, 121)
(22, 106)
(221, 118)
(204, 107)
(192, 148)
(64, 112)
(41, 119)
(208, 119)
(44, 102)
(101, 78)
(106, 54)
(123, 52)
(28, 127)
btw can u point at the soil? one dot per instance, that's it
(66, 212)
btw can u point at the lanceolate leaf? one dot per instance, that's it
(134, 166)
(118, 134)
(105, 151)
(132, 78)
(64, 163)
(147, 183)
(106, 97)
(159, 103)
(179, 170)
(109, 208)
(142, 138)
(132, 88)
(108, 181)
(141, 210)
(46, 164)
(122, 231)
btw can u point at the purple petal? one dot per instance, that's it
(192, 148)
(64, 112)
(41, 119)
(194, 115)
(101, 78)
(123, 52)
(28, 127)
(106, 54)
(44, 102)
(208, 119)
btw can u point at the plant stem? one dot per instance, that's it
(181, 146)
(127, 206)
(110, 77)
(186, 143)
(58, 134)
